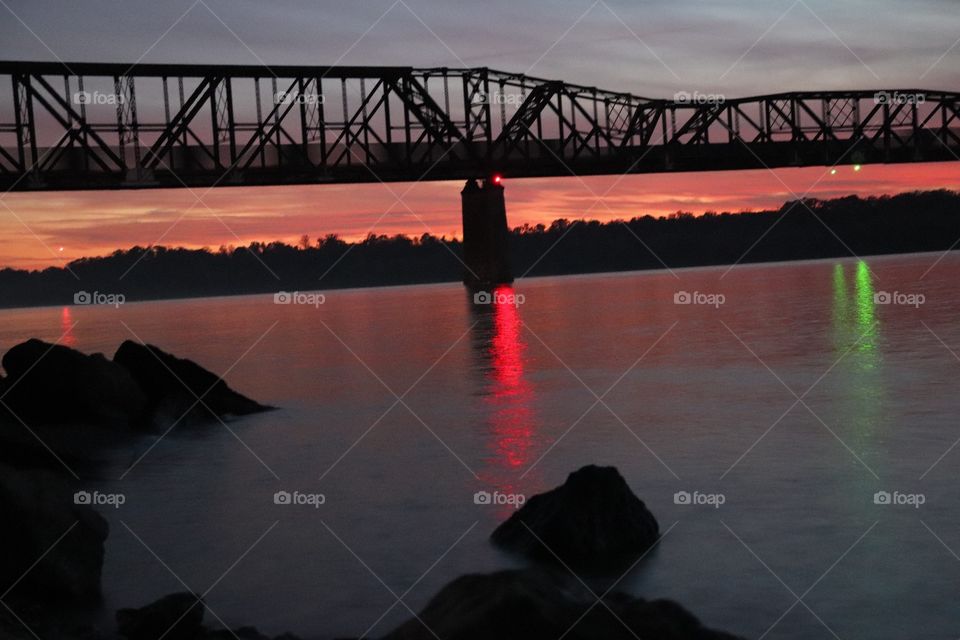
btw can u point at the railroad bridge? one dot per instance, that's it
(69, 126)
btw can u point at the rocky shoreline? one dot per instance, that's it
(141, 387)
(54, 546)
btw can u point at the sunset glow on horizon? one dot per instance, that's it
(656, 49)
(39, 230)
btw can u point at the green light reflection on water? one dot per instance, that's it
(866, 318)
(857, 380)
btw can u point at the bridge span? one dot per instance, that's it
(70, 126)
(114, 126)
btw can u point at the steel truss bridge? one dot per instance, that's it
(114, 126)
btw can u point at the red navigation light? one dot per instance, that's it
(497, 178)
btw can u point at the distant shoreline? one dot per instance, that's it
(519, 280)
(917, 222)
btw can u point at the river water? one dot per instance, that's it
(781, 400)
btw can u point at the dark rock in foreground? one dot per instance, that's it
(42, 524)
(242, 633)
(50, 383)
(178, 616)
(29, 620)
(537, 605)
(592, 521)
(53, 385)
(172, 385)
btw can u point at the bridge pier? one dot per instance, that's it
(486, 238)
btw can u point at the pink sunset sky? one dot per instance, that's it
(38, 230)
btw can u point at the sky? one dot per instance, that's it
(653, 48)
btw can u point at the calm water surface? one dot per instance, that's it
(399, 404)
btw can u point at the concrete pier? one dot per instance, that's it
(486, 237)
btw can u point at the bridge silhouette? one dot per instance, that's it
(68, 126)
(109, 126)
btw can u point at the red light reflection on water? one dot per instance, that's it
(66, 328)
(512, 439)
(509, 392)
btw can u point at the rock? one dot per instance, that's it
(178, 616)
(50, 383)
(38, 510)
(542, 605)
(172, 385)
(29, 623)
(4, 412)
(242, 633)
(592, 521)
(29, 620)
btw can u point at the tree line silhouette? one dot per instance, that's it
(802, 229)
